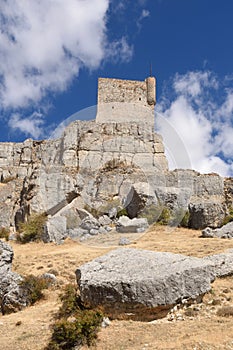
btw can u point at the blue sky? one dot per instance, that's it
(53, 51)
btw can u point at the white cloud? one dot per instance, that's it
(43, 45)
(30, 126)
(204, 125)
(120, 51)
(192, 83)
(144, 14)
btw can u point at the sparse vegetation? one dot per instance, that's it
(32, 288)
(164, 217)
(122, 212)
(33, 229)
(114, 164)
(76, 325)
(185, 219)
(105, 208)
(225, 311)
(4, 233)
(152, 212)
(229, 217)
(8, 179)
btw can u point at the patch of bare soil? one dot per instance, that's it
(193, 327)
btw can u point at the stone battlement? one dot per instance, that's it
(126, 101)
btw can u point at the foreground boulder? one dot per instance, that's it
(225, 231)
(11, 297)
(222, 264)
(143, 283)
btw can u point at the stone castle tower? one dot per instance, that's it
(121, 101)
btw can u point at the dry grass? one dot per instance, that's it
(30, 328)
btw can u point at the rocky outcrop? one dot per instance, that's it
(143, 283)
(225, 231)
(105, 167)
(11, 296)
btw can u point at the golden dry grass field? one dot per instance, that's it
(200, 329)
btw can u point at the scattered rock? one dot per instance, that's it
(225, 231)
(50, 278)
(124, 241)
(104, 220)
(106, 322)
(127, 225)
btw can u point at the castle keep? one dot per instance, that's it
(121, 101)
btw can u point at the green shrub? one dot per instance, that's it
(76, 325)
(185, 219)
(151, 212)
(33, 229)
(4, 233)
(80, 330)
(122, 212)
(32, 287)
(229, 217)
(164, 217)
(179, 217)
(70, 302)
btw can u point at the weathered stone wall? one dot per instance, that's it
(126, 101)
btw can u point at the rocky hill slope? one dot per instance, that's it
(101, 167)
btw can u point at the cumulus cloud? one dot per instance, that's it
(44, 43)
(30, 126)
(203, 122)
(43, 46)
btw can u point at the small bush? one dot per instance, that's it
(179, 217)
(80, 330)
(122, 212)
(225, 311)
(229, 217)
(32, 288)
(70, 302)
(4, 233)
(152, 213)
(185, 219)
(164, 217)
(33, 229)
(76, 325)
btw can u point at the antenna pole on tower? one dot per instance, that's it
(150, 69)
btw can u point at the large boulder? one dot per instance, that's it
(225, 231)
(139, 196)
(203, 214)
(144, 283)
(222, 264)
(55, 230)
(127, 225)
(11, 296)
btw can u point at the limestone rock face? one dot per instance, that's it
(107, 166)
(11, 298)
(143, 283)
